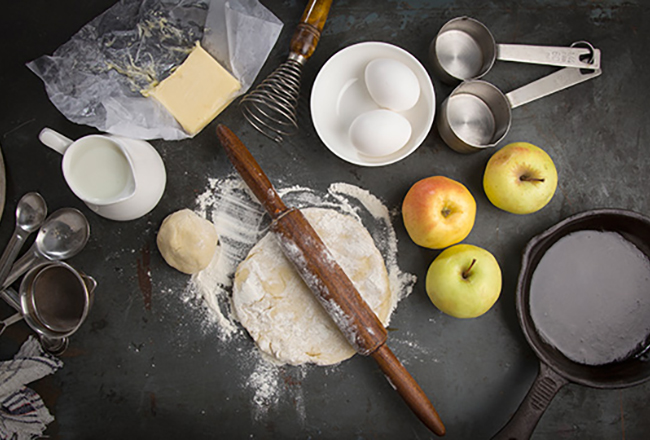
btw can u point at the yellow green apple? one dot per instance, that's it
(464, 281)
(438, 212)
(520, 178)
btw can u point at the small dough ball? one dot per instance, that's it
(187, 241)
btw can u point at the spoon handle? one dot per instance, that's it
(10, 321)
(12, 298)
(10, 253)
(22, 265)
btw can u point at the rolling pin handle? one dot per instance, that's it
(409, 389)
(250, 171)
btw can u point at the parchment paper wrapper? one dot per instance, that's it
(96, 77)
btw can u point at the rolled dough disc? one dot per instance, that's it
(280, 312)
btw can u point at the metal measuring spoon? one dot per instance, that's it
(30, 213)
(63, 235)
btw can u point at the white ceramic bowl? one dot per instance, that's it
(339, 95)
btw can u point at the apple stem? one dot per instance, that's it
(466, 271)
(527, 178)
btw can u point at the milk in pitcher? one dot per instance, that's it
(99, 169)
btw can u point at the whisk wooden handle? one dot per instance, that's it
(307, 34)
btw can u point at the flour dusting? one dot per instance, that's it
(241, 222)
(264, 382)
(238, 220)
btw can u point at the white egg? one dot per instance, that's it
(379, 132)
(392, 84)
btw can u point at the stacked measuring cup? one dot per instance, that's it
(53, 297)
(477, 115)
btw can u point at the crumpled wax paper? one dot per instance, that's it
(97, 76)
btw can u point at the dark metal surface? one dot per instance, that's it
(142, 366)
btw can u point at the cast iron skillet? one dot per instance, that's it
(556, 370)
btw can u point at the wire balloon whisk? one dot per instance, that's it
(271, 107)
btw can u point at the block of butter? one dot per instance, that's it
(197, 91)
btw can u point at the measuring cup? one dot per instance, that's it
(55, 299)
(478, 115)
(465, 49)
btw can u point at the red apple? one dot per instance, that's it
(438, 212)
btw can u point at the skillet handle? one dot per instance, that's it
(523, 422)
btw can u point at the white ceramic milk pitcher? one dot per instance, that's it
(118, 178)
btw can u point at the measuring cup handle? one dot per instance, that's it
(560, 80)
(54, 140)
(523, 422)
(547, 55)
(90, 282)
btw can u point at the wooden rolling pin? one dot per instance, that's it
(334, 290)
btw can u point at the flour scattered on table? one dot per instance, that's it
(241, 222)
(264, 382)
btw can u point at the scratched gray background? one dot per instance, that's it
(142, 367)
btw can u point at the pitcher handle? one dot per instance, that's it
(54, 140)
